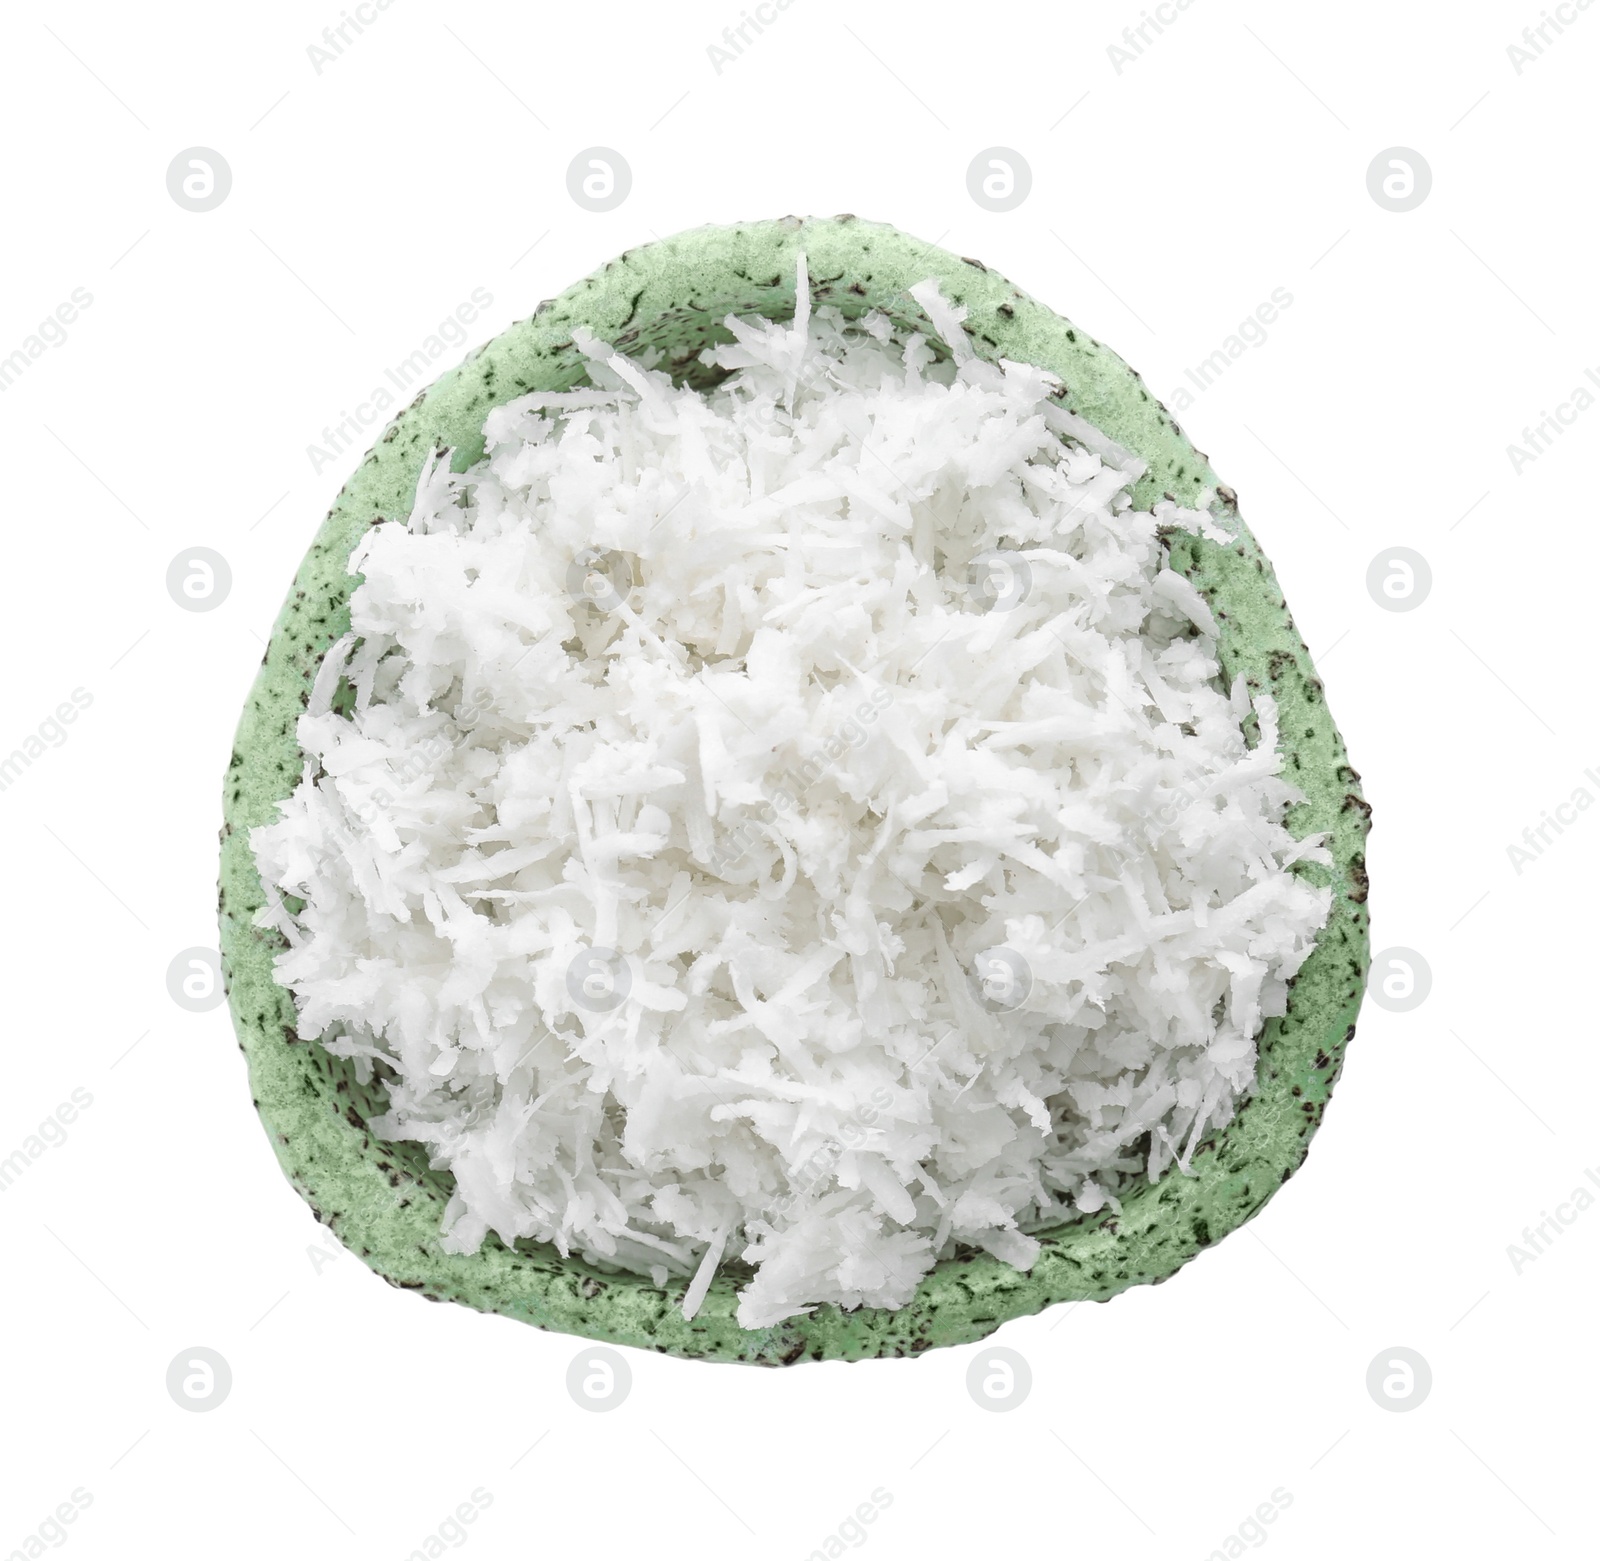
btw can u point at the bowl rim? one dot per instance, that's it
(381, 1200)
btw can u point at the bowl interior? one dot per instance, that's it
(383, 1201)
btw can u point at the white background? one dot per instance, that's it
(1168, 201)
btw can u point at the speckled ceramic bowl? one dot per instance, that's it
(381, 1199)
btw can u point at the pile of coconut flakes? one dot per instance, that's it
(800, 823)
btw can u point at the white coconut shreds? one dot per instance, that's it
(801, 822)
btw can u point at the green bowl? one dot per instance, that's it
(382, 1200)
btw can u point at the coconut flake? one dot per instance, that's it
(802, 822)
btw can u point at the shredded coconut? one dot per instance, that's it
(800, 823)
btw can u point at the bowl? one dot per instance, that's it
(382, 1200)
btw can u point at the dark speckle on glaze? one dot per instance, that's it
(382, 1200)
